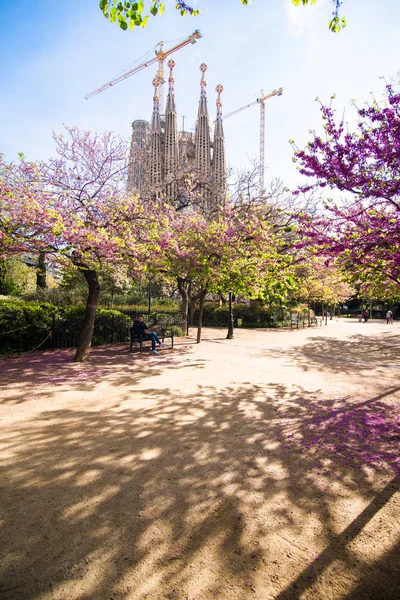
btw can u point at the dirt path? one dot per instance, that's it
(265, 467)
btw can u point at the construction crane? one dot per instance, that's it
(160, 56)
(261, 101)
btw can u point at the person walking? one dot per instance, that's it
(391, 317)
(388, 317)
(366, 315)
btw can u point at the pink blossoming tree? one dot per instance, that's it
(363, 227)
(74, 208)
(229, 252)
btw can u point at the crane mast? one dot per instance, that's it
(261, 101)
(262, 147)
(159, 57)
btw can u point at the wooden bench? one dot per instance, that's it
(316, 321)
(295, 321)
(163, 324)
(162, 334)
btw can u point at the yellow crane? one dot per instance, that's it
(261, 101)
(160, 56)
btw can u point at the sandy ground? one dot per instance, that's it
(264, 467)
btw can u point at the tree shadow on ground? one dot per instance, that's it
(220, 494)
(356, 354)
(40, 374)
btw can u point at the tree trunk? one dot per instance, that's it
(85, 341)
(231, 334)
(3, 276)
(203, 294)
(192, 310)
(41, 271)
(183, 290)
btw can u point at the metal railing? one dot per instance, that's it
(64, 332)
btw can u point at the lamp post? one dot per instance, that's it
(231, 334)
(149, 296)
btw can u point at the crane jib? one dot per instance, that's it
(159, 56)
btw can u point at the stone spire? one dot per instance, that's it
(171, 138)
(156, 170)
(219, 160)
(202, 134)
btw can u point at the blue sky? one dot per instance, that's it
(53, 54)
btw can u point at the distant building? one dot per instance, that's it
(138, 155)
(160, 155)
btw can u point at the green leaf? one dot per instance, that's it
(154, 10)
(161, 9)
(103, 5)
(140, 6)
(122, 23)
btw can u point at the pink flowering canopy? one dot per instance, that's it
(364, 165)
(73, 206)
(228, 252)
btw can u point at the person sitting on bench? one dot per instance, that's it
(140, 328)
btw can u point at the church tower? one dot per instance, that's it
(156, 162)
(185, 168)
(203, 141)
(219, 160)
(171, 159)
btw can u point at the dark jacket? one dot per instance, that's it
(139, 327)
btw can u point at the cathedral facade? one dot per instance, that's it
(185, 168)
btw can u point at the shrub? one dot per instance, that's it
(58, 296)
(251, 316)
(25, 325)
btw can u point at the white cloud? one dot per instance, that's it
(310, 21)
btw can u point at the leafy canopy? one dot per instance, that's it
(363, 227)
(130, 14)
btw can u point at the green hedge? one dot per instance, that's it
(25, 325)
(251, 316)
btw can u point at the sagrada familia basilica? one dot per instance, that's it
(184, 168)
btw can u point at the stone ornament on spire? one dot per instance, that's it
(203, 84)
(171, 80)
(156, 97)
(219, 160)
(219, 89)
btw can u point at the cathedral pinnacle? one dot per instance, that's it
(171, 80)
(219, 89)
(171, 93)
(156, 98)
(203, 84)
(219, 160)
